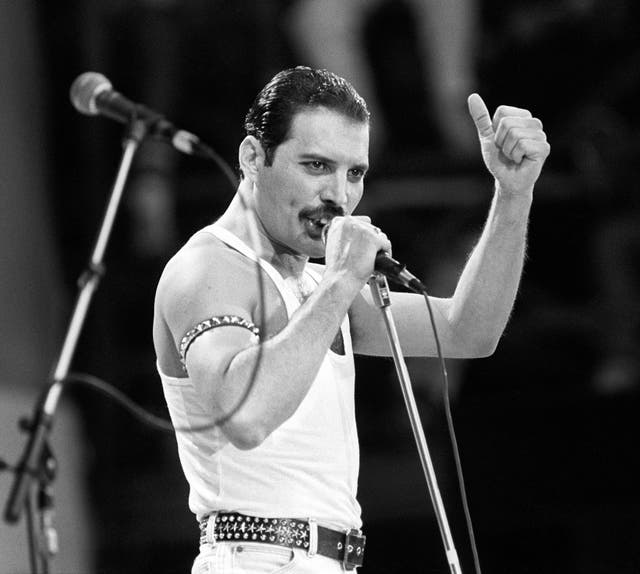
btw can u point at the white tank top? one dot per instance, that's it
(306, 468)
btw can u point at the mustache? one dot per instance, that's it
(323, 212)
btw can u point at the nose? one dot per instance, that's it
(336, 190)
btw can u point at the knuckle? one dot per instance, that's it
(511, 137)
(512, 112)
(516, 149)
(504, 123)
(501, 110)
(513, 132)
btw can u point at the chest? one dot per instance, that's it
(300, 287)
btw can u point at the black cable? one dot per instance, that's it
(209, 153)
(4, 465)
(452, 436)
(138, 412)
(160, 423)
(228, 172)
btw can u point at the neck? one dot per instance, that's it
(236, 220)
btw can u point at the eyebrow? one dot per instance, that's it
(319, 157)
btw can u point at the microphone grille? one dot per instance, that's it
(84, 90)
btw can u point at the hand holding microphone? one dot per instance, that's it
(384, 263)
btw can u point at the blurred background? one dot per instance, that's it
(547, 427)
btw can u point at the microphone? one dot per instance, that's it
(390, 268)
(397, 272)
(92, 94)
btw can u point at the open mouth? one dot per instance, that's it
(315, 225)
(316, 219)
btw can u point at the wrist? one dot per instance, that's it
(518, 198)
(342, 286)
(511, 193)
(515, 206)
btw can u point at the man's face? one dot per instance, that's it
(316, 174)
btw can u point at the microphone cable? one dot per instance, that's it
(209, 153)
(161, 423)
(84, 93)
(452, 436)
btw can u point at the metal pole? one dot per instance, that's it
(29, 467)
(380, 292)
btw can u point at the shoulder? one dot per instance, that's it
(203, 280)
(203, 257)
(204, 273)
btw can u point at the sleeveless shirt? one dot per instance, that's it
(306, 468)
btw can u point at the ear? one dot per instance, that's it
(251, 157)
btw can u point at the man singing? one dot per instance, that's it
(274, 485)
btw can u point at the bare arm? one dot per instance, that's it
(221, 361)
(470, 323)
(221, 366)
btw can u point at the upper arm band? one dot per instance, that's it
(223, 321)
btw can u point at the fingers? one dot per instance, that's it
(508, 112)
(514, 131)
(480, 114)
(513, 127)
(376, 235)
(352, 244)
(361, 225)
(383, 242)
(518, 137)
(531, 149)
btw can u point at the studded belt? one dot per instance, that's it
(346, 547)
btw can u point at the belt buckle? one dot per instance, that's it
(354, 542)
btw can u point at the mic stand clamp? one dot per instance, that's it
(41, 531)
(30, 465)
(381, 297)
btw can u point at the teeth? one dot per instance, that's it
(319, 222)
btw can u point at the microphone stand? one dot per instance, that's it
(36, 459)
(380, 292)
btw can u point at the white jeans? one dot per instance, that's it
(257, 558)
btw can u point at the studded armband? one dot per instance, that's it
(202, 327)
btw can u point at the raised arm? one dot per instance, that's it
(470, 323)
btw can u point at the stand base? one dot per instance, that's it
(73, 520)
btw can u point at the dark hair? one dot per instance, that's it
(294, 90)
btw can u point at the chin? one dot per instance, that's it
(314, 248)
